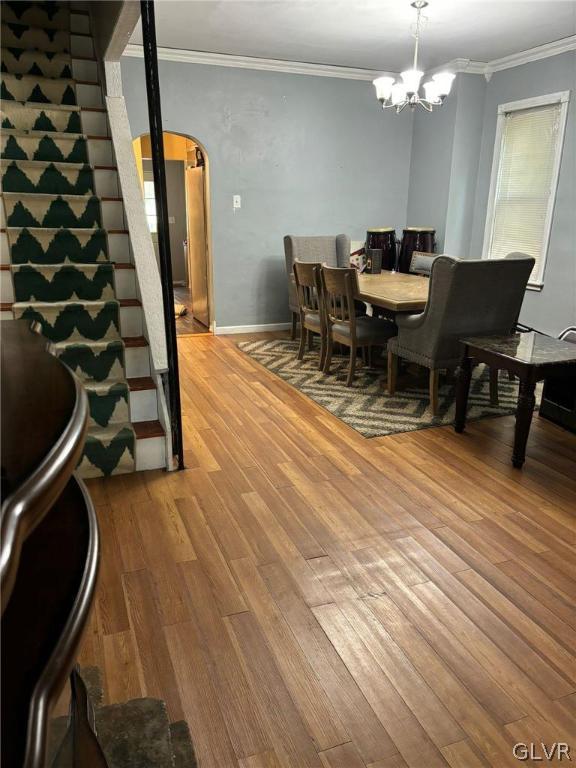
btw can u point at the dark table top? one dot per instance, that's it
(529, 348)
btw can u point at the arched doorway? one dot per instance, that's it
(188, 191)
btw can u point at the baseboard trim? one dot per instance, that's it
(221, 330)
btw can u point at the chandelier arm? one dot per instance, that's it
(427, 105)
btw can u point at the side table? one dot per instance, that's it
(531, 357)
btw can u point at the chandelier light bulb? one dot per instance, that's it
(431, 91)
(383, 87)
(411, 79)
(398, 94)
(443, 82)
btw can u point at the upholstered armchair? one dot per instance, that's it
(466, 298)
(334, 251)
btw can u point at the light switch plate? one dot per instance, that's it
(236, 201)
(171, 220)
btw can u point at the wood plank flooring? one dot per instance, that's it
(307, 598)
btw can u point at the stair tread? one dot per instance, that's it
(147, 429)
(130, 342)
(24, 134)
(68, 229)
(95, 430)
(81, 302)
(103, 386)
(37, 105)
(69, 264)
(140, 383)
(57, 163)
(37, 79)
(51, 196)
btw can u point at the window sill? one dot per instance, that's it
(535, 287)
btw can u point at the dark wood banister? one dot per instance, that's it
(50, 546)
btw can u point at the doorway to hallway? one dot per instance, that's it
(187, 187)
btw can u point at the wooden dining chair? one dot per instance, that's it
(311, 307)
(340, 287)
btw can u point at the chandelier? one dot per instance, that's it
(405, 92)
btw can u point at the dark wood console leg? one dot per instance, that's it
(463, 377)
(526, 403)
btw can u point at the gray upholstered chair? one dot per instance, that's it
(343, 326)
(466, 298)
(421, 263)
(333, 251)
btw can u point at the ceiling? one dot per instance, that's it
(369, 34)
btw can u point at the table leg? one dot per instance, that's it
(463, 377)
(524, 412)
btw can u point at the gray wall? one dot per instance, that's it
(554, 307)
(431, 161)
(308, 155)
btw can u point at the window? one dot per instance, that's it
(527, 151)
(150, 206)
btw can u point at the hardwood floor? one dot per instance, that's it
(305, 597)
(187, 325)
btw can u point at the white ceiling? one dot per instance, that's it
(370, 34)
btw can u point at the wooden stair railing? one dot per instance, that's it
(49, 546)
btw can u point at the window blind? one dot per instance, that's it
(524, 186)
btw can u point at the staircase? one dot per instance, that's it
(66, 259)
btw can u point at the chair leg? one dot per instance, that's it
(303, 335)
(294, 326)
(392, 372)
(494, 386)
(310, 340)
(328, 355)
(352, 365)
(369, 357)
(322, 351)
(434, 380)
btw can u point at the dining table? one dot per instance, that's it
(394, 291)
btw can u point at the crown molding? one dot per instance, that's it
(460, 65)
(507, 62)
(534, 54)
(249, 62)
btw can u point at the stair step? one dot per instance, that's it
(140, 383)
(63, 282)
(57, 146)
(49, 246)
(38, 91)
(42, 177)
(131, 342)
(34, 14)
(16, 35)
(20, 62)
(108, 450)
(147, 429)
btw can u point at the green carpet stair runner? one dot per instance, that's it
(62, 275)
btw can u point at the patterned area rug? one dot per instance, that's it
(366, 406)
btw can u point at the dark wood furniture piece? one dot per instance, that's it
(311, 304)
(531, 357)
(340, 289)
(49, 547)
(558, 402)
